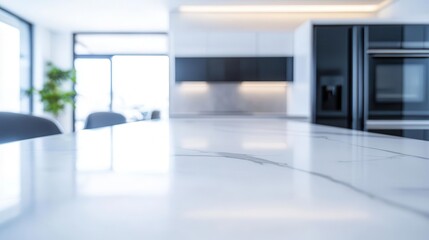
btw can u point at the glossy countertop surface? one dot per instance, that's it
(215, 179)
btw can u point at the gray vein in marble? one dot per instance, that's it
(191, 155)
(373, 159)
(356, 145)
(300, 133)
(379, 149)
(261, 161)
(286, 131)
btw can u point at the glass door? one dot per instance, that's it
(140, 85)
(126, 73)
(93, 87)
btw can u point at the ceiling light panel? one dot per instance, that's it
(290, 8)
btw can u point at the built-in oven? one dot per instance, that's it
(398, 91)
(398, 85)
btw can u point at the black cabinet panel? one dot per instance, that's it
(413, 36)
(223, 69)
(385, 36)
(232, 66)
(191, 69)
(234, 69)
(290, 70)
(272, 69)
(427, 37)
(216, 70)
(249, 68)
(397, 36)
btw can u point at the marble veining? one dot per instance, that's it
(262, 161)
(232, 178)
(374, 148)
(325, 136)
(373, 158)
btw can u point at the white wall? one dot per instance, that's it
(299, 93)
(55, 47)
(406, 10)
(62, 56)
(41, 55)
(62, 49)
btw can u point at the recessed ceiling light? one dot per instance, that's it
(331, 8)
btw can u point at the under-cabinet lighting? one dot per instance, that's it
(263, 87)
(263, 84)
(292, 8)
(194, 87)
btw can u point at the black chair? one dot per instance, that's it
(17, 126)
(103, 119)
(156, 115)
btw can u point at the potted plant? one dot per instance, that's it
(52, 95)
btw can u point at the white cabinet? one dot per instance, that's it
(190, 44)
(231, 44)
(275, 44)
(224, 44)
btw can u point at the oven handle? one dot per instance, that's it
(400, 55)
(397, 124)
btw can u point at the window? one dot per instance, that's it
(125, 73)
(15, 63)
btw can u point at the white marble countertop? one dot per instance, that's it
(215, 179)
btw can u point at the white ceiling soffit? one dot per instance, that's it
(93, 15)
(121, 44)
(303, 6)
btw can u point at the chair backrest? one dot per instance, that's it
(156, 114)
(103, 119)
(17, 126)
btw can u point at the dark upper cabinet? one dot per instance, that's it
(234, 69)
(397, 36)
(216, 70)
(191, 69)
(413, 36)
(290, 69)
(249, 69)
(223, 69)
(232, 66)
(427, 37)
(273, 69)
(385, 36)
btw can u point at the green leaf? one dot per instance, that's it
(53, 97)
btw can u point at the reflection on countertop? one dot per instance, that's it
(215, 179)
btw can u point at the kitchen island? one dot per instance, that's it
(235, 178)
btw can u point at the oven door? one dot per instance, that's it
(398, 86)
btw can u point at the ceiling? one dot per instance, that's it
(124, 15)
(93, 15)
